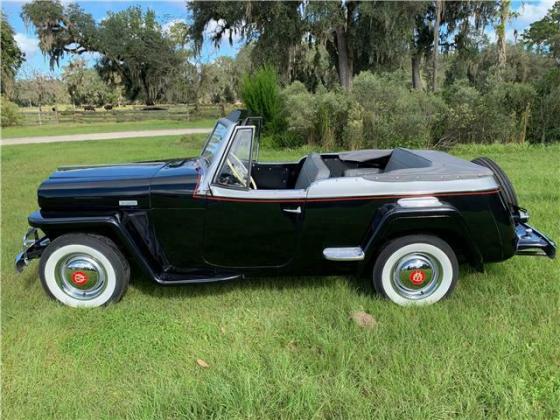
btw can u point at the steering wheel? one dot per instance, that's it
(239, 170)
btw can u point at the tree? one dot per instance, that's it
(437, 22)
(85, 87)
(39, 89)
(356, 35)
(133, 47)
(12, 57)
(444, 26)
(544, 35)
(275, 28)
(505, 14)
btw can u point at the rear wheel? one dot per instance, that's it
(506, 187)
(82, 270)
(416, 270)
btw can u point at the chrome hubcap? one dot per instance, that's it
(81, 276)
(416, 275)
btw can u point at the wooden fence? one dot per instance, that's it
(174, 113)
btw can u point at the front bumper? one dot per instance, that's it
(532, 242)
(33, 247)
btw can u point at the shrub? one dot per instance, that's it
(353, 134)
(261, 94)
(544, 124)
(300, 106)
(394, 115)
(499, 115)
(330, 117)
(10, 113)
(318, 118)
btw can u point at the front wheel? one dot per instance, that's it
(83, 270)
(416, 270)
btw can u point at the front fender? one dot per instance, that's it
(111, 223)
(445, 221)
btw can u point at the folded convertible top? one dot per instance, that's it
(417, 165)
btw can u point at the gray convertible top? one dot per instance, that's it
(417, 165)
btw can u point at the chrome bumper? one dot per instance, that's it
(532, 242)
(33, 247)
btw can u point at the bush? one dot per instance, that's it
(300, 106)
(330, 118)
(353, 134)
(499, 115)
(10, 113)
(315, 118)
(544, 124)
(393, 114)
(261, 94)
(381, 112)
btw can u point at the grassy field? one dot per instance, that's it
(77, 128)
(284, 347)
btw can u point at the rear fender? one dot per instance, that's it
(445, 221)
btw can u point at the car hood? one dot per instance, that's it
(113, 171)
(106, 186)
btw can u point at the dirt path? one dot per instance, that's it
(105, 136)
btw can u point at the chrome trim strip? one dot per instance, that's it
(344, 254)
(128, 202)
(418, 202)
(296, 195)
(361, 187)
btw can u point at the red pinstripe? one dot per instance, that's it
(333, 199)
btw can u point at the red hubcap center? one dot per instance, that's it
(79, 278)
(417, 277)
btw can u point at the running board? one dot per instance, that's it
(176, 279)
(344, 254)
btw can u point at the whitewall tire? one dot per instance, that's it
(82, 270)
(416, 270)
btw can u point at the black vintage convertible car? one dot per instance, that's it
(404, 218)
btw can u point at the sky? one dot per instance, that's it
(170, 11)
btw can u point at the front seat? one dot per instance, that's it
(313, 169)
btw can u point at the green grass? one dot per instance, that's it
(77, 128)
(282, 347)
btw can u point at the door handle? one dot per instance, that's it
(297, 210)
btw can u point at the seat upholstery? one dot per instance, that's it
(313, 169)
(405, 159)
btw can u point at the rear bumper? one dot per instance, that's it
(532, 242)
(33, 247)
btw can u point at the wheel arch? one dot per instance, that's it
(444, 222)
(110, 226)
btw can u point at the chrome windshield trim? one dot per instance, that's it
(208, 175)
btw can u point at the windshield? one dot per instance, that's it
(214, 142)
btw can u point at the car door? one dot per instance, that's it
(246, 227)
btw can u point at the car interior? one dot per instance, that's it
(315, 167)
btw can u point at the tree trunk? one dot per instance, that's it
(416, 80)
(344, 59)
(501, 32)
(439, 10)
(345, 55)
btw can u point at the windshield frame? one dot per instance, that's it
(212, 166)
(229, 128)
